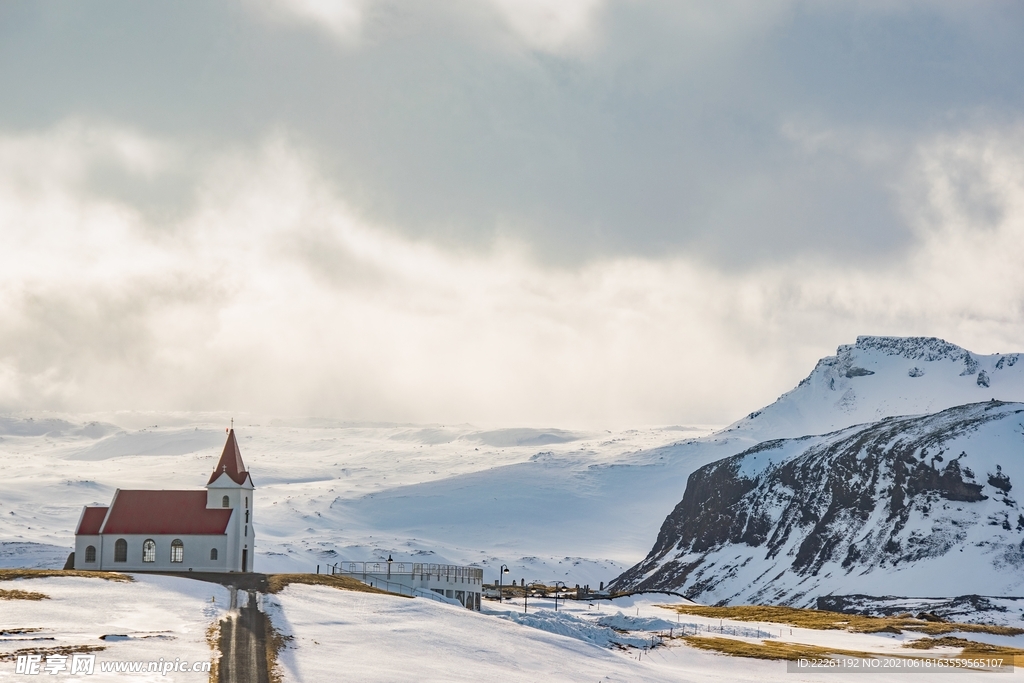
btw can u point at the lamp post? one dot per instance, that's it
(557, 584)
(526, 592)
(389, 566)
(501, 583)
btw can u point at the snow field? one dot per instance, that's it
(381, 638)
(151, 618)
(537, 501)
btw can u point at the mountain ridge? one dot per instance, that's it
(878, 377)
(839, 484)
(858, 510)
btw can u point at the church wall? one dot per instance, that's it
(196, 555)
(81, 543)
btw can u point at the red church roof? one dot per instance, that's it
(164, 512)
(92, 520)
(230, 462)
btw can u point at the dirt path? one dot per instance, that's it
(243, 643)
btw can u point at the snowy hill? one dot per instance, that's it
(552, 504)
(883, 376)
(903, 506)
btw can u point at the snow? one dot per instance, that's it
(947, 546)
(333, 491)
(329, 631)
(152, 618)
(908, 376)
(380, 638)
(553, 504)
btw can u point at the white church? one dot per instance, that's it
(174, 531)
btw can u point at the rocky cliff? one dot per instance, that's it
(919, 505)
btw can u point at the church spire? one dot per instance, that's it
(230, 462)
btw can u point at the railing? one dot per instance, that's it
(375, 581)
(449, 572)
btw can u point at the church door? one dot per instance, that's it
(245, 558)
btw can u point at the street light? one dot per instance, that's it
(389, 566)
(526, 592)
(501, 572)
(557, 584)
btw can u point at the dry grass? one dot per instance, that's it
(822, 620)
(213, 640)
(275, 643)
(277, 582)
(767, 649)
(12, 574)
(59, 650)
(794, 651)
(22, 595)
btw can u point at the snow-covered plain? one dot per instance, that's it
(537, 500)
(382, 638)
(552, 504)
(370, 637)
(150, 619)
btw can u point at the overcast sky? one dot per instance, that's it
(568, 212)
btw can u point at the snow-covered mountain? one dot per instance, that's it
(920, 505)
(551, 504)
(884, 376)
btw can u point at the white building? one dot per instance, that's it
(177, 531)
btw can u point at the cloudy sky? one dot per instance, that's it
(550, 212)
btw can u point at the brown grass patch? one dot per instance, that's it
(836, 621)
(277, 582)
(12, 574)
(767, 649)
(59, 650)
(275, 643)
(213, 640)
(22, 595)
(793, 651)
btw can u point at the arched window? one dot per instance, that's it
(120, 550)
(213, 554)
(177, 551)
(90, 553)
(225, 502)
(149, 550)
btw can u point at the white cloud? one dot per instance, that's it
(550, 25)
(343, 19)
(270, 295)
(546, 25)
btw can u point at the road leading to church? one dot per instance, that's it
(243, 643)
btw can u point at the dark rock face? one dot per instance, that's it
(960, 608)
(797, 504)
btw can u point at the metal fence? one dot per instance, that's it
(450, 572)
(373, 580)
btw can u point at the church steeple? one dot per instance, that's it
(230, 463)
